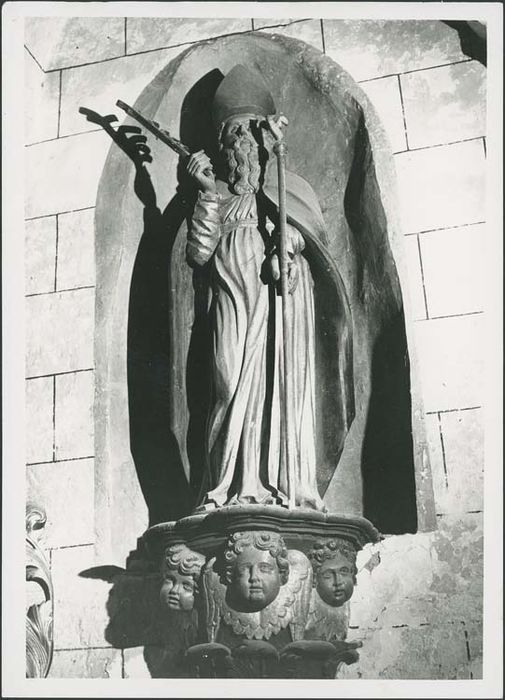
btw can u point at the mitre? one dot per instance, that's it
(242, 91)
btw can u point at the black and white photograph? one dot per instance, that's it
(252, 267)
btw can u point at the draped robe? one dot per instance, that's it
(244, 448)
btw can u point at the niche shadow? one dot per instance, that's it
(154, 446)
(387, 459)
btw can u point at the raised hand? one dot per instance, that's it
(199, 167)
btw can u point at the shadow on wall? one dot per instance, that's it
(137, 619)
(472, 36)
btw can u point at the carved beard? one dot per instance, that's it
(243, 165)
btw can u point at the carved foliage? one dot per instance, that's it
(39, 615)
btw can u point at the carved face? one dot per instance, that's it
(255, 581)
(178, 591)
(335, 580)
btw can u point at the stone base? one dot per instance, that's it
(255, 591)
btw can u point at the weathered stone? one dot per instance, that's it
(463, 435)
(76, 250)
(373, 48)
(457, 556)
(147, 33)
(442, 187)
(59, 332)
(39, 419)
(86, 663)
(40, 255)
(66, 491)
(80, 604)
(384, 93)
(451, 359)
(415, 278)
(42, 93)
(445, 104)
(62, 175)
(473, 633)
(74, 396)
(438, 469)
(308, 31)
(391, 592)
(62, 42)
(458, 287)
(426, 652)
(100, 85)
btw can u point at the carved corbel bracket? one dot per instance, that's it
(40, 601)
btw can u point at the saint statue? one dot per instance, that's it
(235, 231)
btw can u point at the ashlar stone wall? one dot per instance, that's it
(418, 604)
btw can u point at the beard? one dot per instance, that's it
(243, 165)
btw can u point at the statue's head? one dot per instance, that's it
(181, 570)
(241, 102)
(255, 567)
(334, 566)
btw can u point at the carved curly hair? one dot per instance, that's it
(326, 549)
(184, 560)
(261, 539)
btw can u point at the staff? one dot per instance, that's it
(280, 150)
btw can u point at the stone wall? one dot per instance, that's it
(418, 604)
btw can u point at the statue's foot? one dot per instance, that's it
(312, 504)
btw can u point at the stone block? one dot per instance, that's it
(373, 48)
(63, 175)
(463, 434)
(437, 464)
(74, 396)
(86, 663)
(40, 255)
(455, 287)
(65, 490)
(147, 33)
(100, 85)
(59, 332)
(39, 419)
(393, 592)
(62, 42)
(415, 278)
(384, 94)
(41, 95)
(426, 652)
(80, 604)
(475, 647)
(76, 249)
(457, 563)
(445, 104)
(451, 354)
(441, 187)
(308, 31)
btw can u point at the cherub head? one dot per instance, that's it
(334, 565)
(255, 567)
(181, 570)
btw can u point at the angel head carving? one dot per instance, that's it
(255, 566)
(334, 566)
(181, 571)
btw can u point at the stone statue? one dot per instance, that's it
(334, 565)
(234, 230)
(180, 571)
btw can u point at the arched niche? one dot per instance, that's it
(336, 142)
